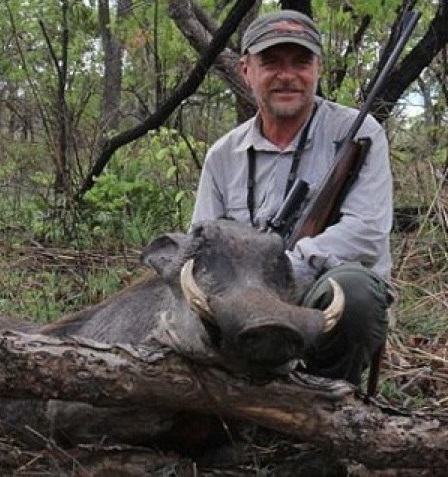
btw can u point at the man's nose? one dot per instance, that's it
(286, 71)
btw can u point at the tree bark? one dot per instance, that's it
(323, 412)
(113, 59)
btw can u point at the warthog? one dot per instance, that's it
(222, 290)
(224, 293)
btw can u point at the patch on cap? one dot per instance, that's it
(288, 26)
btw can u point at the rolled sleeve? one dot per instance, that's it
(209, 202)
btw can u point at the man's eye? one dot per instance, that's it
(302, 61)
(268, 62)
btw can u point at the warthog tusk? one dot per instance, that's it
(334, 310)
(195, 297)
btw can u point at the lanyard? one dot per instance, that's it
(251, 162)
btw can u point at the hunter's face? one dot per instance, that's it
(283, 79)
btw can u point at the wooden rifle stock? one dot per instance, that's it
(323, 210)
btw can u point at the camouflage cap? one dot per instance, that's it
(283, 26)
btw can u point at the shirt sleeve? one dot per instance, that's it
(366, 218)
(209, 203)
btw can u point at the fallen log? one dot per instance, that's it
(153, 378)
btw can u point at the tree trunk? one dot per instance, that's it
(323, 412)
(199, 29)
(113, 53)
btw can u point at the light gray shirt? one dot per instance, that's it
(362, 234)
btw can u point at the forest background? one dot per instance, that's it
(107, 109)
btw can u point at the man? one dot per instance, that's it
(294, 134)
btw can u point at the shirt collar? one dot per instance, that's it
(254, 138)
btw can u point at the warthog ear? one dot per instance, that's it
(163, 252)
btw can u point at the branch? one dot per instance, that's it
(435, 38)
(182, 92)
(319, 411)
(199, 30)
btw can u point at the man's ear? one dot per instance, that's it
(243, 63)
(319, 66)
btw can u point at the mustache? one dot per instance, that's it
(285, 88)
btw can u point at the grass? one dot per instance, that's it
(42, 284)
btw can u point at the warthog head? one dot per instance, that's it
(238, 283)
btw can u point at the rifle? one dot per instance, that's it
(293, 223)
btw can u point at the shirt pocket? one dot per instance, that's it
(236, 207)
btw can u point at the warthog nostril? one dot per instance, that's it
(270, 345)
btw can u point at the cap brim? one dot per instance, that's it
(253, 50)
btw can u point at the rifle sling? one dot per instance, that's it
(251, 160)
